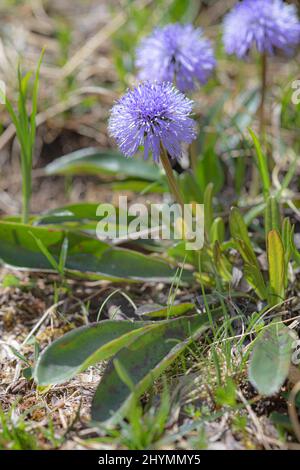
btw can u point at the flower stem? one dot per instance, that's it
(170, 176)
(254, 188)
(263, 96)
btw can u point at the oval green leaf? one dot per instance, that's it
(86, 257)
(270, 359)
(143, 361)
(83, 347)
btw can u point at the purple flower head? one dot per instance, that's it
(177, 54)
(266, 24)
(150, 115)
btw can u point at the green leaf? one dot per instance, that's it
(99, 162)
(208, 207)
(210, 169)
(252, 270)
(46, 253)
(238, 228)
(83, 347)
(295, 251)
(287, 237)
(217, 231)
(222, 264)
(143, 360)
(272, 215)
(288, 241)
(84, 217)
(63, 255)
(189, 187)
(140, 186)
(79, 212)
(86, 257)
(157, 311)
(239, 232)
(276, 262)
(254, 277)
(270, 359)
(35, 99)
(247, 254)
(226, 396)
(262, 164)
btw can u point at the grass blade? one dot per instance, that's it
(262, 164)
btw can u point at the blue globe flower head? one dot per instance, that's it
(151, 115)
(178, 54)
(266, 24)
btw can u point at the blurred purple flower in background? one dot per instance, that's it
(178, 54)
(150, 115)
(266, 24)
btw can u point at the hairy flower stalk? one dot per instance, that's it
(263, 95)
(154, 116)
(176, 53)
